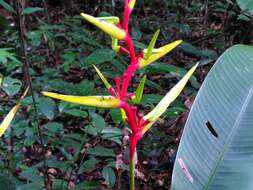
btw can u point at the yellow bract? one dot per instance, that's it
(94, 101)
(158, 53)
(167, 100)
(7, 120)
(107, 27)
(9, 117)
(131, 4)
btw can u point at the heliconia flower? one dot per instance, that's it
(94, 101)
(107, 27)
(158, 53)
(9, 117)
(106, 83)
(153, 116)
(131, 4)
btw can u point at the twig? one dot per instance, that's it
(28, 82)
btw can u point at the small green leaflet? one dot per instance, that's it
(31, 10)
(7, 6)
(152, 44)
(139, 92)
(109, 176)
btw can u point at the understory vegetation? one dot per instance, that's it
(47, 46)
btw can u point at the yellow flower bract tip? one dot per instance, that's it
(9, 117)
(132, 3)
(159, 53)
(107, 27)
(167, 100)
(94, 101)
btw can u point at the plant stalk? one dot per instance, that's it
(132, 173)
(28, 82)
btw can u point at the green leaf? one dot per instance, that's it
(76, 112)
(7, 6)
(54, 128)
(88, 185)
(88, 166)
(152, 44)
(139, 91)
(164, 68)
(98, 57)
(109, 176)
(31, 174)
(101, 151)
(190, 49)
(7, 181)
(215, 151)
(98, 122)
(116, 115)
(58, 184)
(11, 86)
(246, 5)
(47, 106)
(113, 134)
(31, 10)
(8, 59)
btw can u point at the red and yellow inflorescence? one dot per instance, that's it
(119, 97)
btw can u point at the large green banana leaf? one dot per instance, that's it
(216, 149)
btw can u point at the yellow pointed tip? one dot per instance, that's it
(94, 101)
(160, 52)
(123, 115)
(25, 93)
(9, 117)
(167, 100)
(107, 27)
(132, 4)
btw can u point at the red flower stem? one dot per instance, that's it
(133, 143)
(127, 13)
(130, 45)
(127, 76)
(112, 91)
(130, 116)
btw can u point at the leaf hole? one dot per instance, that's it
(211, 129)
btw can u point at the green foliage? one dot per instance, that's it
(61, 55)
(7, 6)
(31, 10)
(101, 151)
(109, 176)
(246, 5)
(11, 86)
